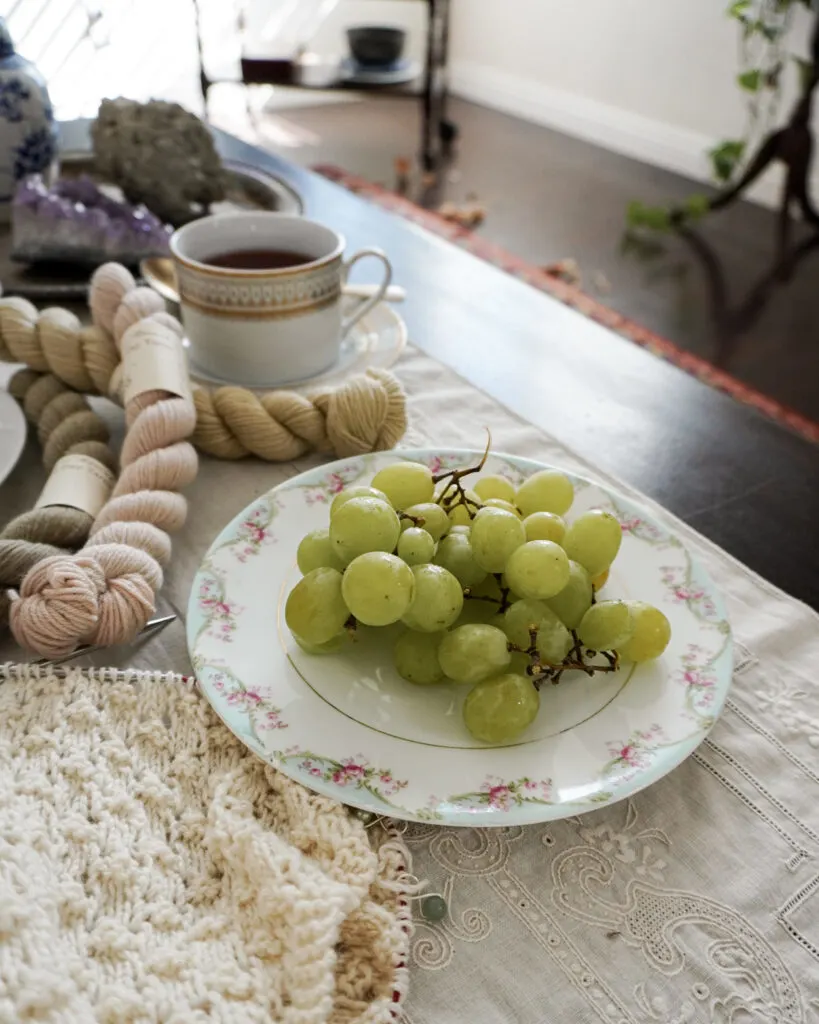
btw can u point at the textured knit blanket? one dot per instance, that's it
(153, 869)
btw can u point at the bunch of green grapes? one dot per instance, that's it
(496, 589)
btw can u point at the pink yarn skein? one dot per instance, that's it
(106, 592)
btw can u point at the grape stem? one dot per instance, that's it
(415, 520)
(575, 661)
(502, 602)
(448, 501)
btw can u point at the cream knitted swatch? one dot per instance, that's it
(153, 869)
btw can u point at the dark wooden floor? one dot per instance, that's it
(550, 196)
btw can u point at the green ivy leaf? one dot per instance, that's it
(804, 69)
(770, 32)
(696, 206)
(750, 81)
(738, 8)
(639, 215)
(725, 157)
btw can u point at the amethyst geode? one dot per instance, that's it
(76, 221)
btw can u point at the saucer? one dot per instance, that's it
(375, 342)
(12, 428)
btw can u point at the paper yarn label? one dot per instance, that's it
(79, 482)
(153, 360)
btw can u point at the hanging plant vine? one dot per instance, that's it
(764, 61)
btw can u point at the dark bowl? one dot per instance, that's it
(375, 46)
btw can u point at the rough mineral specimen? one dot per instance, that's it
(160, 155)
(78, 222)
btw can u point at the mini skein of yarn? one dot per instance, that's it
(66, 425)
(105, 594)
(366, 413)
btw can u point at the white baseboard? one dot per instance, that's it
(653, 142)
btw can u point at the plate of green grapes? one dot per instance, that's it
(459, 637)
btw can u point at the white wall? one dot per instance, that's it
(654, 79)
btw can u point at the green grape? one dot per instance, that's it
(415, 546)
(575, 599)
(652, 631)
(315, 552)
(545, 491)
(462, 528)
(495, 535)
(315, 610)
(361, 525)
(455, 554)
(476, 611)
(459, 515)
(544, 526)
(355, 492)
(538, 568)
(524, 615)
(378, 588)
(519, 663)
(416, 658)
(438, 599)
(405, 483)
(501, 707)
(507, 506)
(606, 626)
(554, 641)
(326, 648)
(593, 539)
(435, 520)
(472, 653)
(495, 487)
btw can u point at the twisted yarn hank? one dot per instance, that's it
(105, 594)
(366, 413)
(66, 425)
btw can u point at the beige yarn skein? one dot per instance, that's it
(105, 594)
(66, 425)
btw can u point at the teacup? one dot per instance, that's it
(265, 326)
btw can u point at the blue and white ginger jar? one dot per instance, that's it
(28, 134)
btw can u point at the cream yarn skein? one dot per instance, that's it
(105, 594)
(66, 425)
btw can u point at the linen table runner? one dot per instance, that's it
(695, 901)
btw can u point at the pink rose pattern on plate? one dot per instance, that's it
(684, 590)
(628, 757)
(700, 682)
(354, 772)
(219, 614)
(254, 702)
(323, 492)
(255, 531)
(503, 796)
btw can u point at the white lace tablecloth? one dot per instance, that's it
(695, 902)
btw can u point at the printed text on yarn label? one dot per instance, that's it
(153, 360)
(79, 482)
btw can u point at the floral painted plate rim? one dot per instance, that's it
(630, 762)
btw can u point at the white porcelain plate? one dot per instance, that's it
(349, 727)
(376, 341)
(12, 434)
